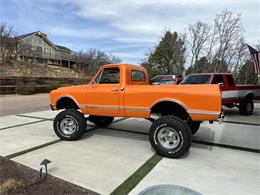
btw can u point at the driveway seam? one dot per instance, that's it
(227, 146)
(32, 149)
(197, 141)
(48, 143)
(240, 123)
(34, 117)
(133, 180)
(23, 124)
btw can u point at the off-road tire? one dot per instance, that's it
(182, 129)
(101, 121)
(243, 107)
(194, 126)
(75, 116)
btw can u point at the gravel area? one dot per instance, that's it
(18, 104)
(31, 183)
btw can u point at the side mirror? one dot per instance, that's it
(92, 84)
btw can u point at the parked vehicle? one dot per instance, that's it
(241, 96)
(123, 90)
(165, 80)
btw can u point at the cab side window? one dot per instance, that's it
(108, 76)
(137, 75)
(230, 80)
(218, 79)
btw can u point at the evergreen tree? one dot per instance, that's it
(169, 56)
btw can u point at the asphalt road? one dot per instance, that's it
(18, 104)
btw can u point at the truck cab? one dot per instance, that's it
(109, 87)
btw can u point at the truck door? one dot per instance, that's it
(103, 93)
(231, 88)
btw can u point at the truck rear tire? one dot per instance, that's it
(170, 136)
(69, 125)
(101, 121)
(194, 126)
(246, 107)
(229, 105)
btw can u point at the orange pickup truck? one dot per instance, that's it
(123, 90)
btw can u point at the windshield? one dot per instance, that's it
(196, 79)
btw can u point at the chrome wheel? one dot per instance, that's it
(168, 137)
(68, 126)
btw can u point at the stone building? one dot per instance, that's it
(35, 47)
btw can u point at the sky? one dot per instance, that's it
(124, 28)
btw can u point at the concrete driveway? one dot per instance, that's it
(224, 158)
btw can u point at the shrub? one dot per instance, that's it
(25, 90)
(9, 185)
(54, 86)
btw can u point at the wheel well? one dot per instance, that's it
(249, 96)
(66, 103)
(170, 108)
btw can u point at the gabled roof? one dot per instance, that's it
(26, 35)
(44, 36)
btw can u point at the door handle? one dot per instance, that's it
(114, 89)
(122, 89)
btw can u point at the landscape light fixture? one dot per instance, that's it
(45, 162)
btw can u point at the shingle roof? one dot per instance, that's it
(26, 35)
(63, 48)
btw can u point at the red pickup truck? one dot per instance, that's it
(241, 96)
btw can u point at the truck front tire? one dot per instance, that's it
(246, 107)
(101, 121)
(69, 125)
(170, 136)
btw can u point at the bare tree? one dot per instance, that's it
(211, 42)
(91, 60)
(239, 56)
(7, 42)
(228, 28)
(199, 34)
(222, 43)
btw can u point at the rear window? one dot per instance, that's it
(196, 79)
(137, 75)
(230, 80)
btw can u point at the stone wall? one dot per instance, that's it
(39, 77)
(30, 70)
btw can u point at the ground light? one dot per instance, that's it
(45, 162)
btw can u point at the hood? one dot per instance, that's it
(71, 88)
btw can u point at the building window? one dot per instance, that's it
(39, 41)
(39, 49)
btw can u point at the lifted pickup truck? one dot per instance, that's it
(123, 90)
(241, 96)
